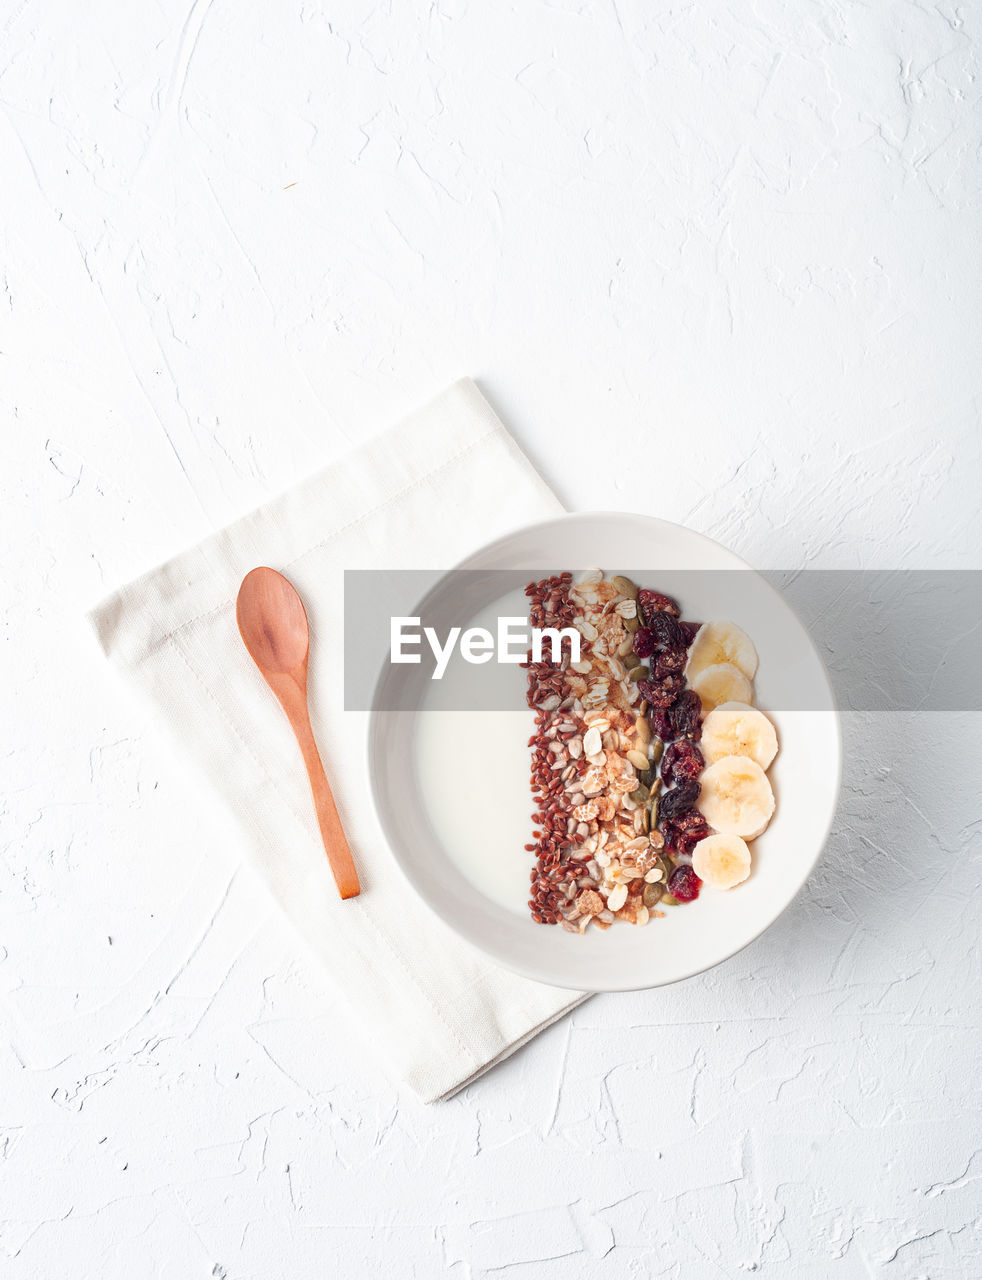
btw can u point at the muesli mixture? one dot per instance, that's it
(648, 759)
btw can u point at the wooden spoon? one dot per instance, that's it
(273, 626)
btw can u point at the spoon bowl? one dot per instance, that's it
(272, 621)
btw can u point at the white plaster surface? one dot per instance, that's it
(718, 262)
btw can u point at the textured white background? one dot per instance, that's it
(718, 262)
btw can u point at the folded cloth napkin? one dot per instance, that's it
(422, 495)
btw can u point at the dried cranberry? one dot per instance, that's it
(684, 832)
(669, 663)
(649, 691)
(689, 630)
(684, 884)
(661, 693)
(691, 821)
(652, 602)
(658, 719)
(666, 630)
(685, 715)
(686, 840)
(679, 800)
(682, 835)
(682, 760)
(644, 642)
(671, 834)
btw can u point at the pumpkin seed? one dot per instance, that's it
(646, 820)
(625, 587)
(642, 732)
(643, 709)
(639, 672)
(625, 647)
(631, 624)
(641, 795)
(652, 893)
(638, 759)
(669, 900)
(657, 747)
(653, 790)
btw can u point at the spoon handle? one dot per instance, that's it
(332, 833)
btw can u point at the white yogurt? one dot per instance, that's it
(473, 774)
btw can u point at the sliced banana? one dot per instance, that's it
(717, 642)
(722, 682)
(737, 729)
(721, 861)
(736, 799)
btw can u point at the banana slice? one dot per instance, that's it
(717, 642)
(721, 861)
(736, 729)
(736, 799)
(722, 682)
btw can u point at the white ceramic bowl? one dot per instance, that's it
(452, 787)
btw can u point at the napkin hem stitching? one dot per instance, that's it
(399, 493)
(288, 805)
(222, 711)
(393, 497)
(423, 992)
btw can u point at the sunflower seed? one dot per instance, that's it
(617, 898)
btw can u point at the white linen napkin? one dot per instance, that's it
(423, 495)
